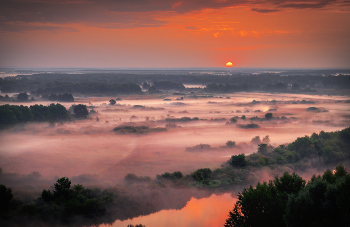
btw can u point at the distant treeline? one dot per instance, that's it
(10, 115)
(226, 88)
(66, 97)
(112, 83)
(88, 88)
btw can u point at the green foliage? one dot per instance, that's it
(88, 88)
(256, 140)
(5, 198)
(53, 112)
(170, 176)
(313, 206)
(266, 139)
(67, 202)
(262, 148)
(202, 175)
(295, 87)
(230, 143)
(168, 85)
(199, 147)
(136, 129)
(62, 185)
(289, 201)
(131, 178)
(22, 97)
(345, 135)
(152, 89)
(238, 161)
(303, 146)
(66, 97)
(248, 126)
(80, 111)
(268, 116)
(233, 120)
(264, 205)
(225, 88)
(182, 119)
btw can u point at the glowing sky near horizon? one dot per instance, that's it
(168, 33)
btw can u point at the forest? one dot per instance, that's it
(122, 83)
(11, 115)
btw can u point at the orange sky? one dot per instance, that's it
(167, 33)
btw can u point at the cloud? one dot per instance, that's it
(244, 33)
(137, 13)
(265, 10)
(251, 47)
(24, 27)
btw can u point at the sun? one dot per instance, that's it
(229, 64)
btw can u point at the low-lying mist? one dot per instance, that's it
(91, 147)
(194, 134)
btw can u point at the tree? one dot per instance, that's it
(58, 112)
(23, 97)
(145, 85)
(295, 86)
(62, 186)
(303, 146)
(233, 120)
(5, 198)
(66, 97)
(262, 149)
(152, 89)
(243, 117)
(266, 139)
(238, 160)
(53, 97)
(80, 111)
(202, 175)
(268, 116)
(265, 204)
(256, 140)
(112, 102)
(230, 143)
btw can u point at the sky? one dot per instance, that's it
(172, 33)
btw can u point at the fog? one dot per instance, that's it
(89, 152)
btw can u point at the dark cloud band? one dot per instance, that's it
(140, 13)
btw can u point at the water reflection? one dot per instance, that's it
(205, 212)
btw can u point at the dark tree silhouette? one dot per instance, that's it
(265, 204)
(5, 198)
(238, 160)
(295, 87)
(80, 111)
(22, 97)
(268, 116)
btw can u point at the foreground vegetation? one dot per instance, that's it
(289, 201)
(289, 196)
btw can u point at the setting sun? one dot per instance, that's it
(229, 64)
